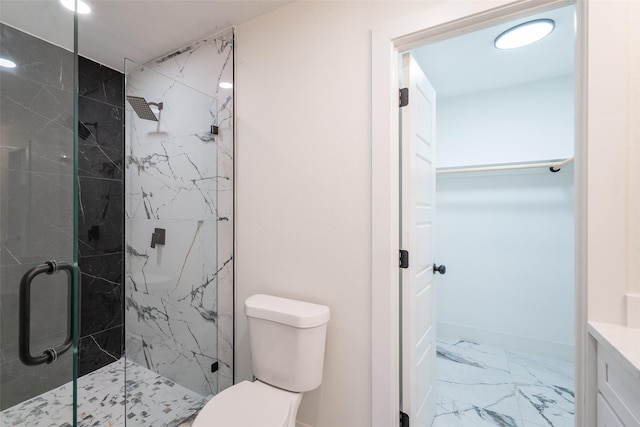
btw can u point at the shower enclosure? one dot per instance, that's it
(116, 231)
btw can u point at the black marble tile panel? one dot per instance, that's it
(100, 216)
(101, 293)
(100, 139)
(37, 59)
(100, 349)
(100, 82)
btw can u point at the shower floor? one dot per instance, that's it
(152, 401)
(480, 385)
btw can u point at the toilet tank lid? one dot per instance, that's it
(290, 312)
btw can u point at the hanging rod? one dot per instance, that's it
(554, 166)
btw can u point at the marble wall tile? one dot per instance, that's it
(99, 349)
(180, 177)
(100, 139)
(37, 208)
(41, 119)
(37, 59)
(101, 293)
(165, 176)
(36, 205)
(225, 303)
(211, 56)
(100, 83)
(173, 338)
(100, 216)
(184, 269)
(37, 217)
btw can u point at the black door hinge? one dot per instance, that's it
(404, 419)
(404, 97)
(404, 259)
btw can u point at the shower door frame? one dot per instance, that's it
(447, 21)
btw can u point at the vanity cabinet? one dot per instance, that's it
(618, 403)
(606, 416)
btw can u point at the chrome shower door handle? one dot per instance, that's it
(51, 354)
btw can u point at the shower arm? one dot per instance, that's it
(156, 104)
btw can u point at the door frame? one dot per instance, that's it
(438, 22)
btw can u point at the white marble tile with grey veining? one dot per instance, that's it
(479, 385)
(173, 339)
(180, 178)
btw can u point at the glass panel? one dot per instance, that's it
(36, 213)
(179, 240)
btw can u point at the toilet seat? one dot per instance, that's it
(248, 404)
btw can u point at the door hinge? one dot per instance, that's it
(404, 96)
(404, 259)
(404, 419)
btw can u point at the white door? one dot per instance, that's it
(417, 213)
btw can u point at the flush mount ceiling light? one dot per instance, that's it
(83, 7)
(225, 85)
(524, 34)
(7, 63)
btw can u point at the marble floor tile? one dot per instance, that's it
(479, 385)
(151, 401)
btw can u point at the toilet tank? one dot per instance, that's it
(287, 339)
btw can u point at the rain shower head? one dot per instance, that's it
(142, 109)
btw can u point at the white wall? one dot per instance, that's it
(613, 180)
(520, 123)
(304, 183)
(304, 178)
(507, 238)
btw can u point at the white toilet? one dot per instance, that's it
(287, 340)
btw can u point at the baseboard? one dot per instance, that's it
(507, 341)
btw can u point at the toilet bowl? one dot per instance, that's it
(250, 404)
(287, 342)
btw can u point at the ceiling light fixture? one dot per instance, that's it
(524, 34)
(225, 85)
(83, 8)
(7, 63)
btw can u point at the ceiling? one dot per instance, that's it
(140, 30)
(143, 30)
(470, 63)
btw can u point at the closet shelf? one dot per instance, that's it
(553, 165)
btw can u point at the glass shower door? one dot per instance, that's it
(37, 215)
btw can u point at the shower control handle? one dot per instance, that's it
(158, 237)
(439, 269)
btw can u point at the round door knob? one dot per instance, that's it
(440, 269)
